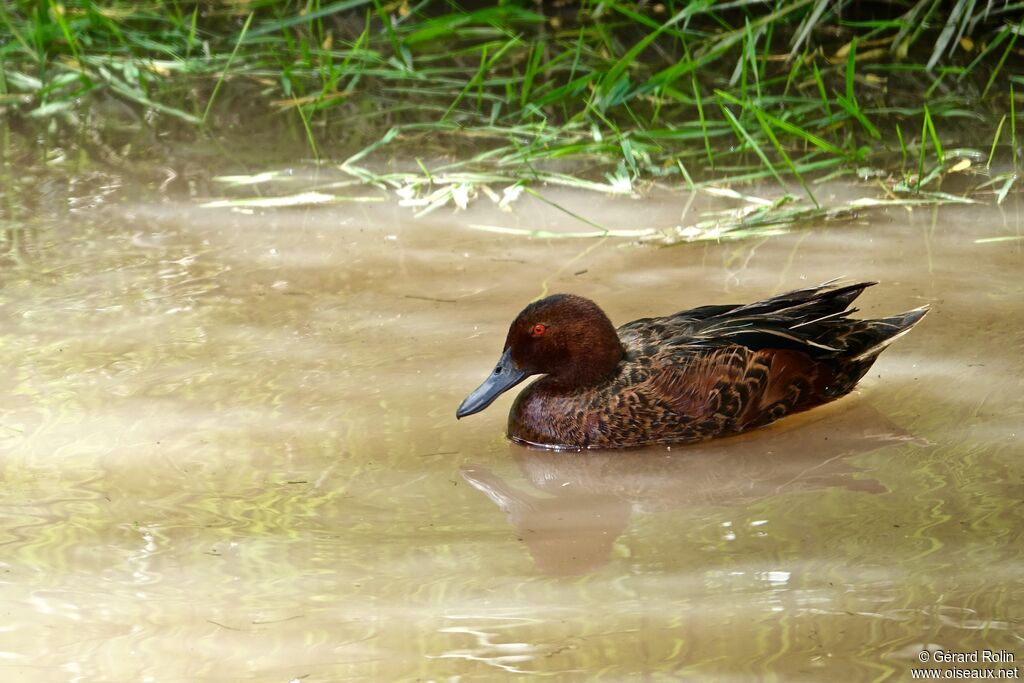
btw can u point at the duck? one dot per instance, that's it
(701, 373)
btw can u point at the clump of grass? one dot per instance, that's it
(610, 96)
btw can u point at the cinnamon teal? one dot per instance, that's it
(702, 373)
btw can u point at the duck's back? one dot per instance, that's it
(714, 371)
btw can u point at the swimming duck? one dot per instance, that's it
(698, 374)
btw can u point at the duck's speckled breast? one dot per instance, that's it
(545, 416)
(616, 413)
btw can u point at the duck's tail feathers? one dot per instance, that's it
(888, 330)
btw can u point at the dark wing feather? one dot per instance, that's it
(813, 320)
(811, 302)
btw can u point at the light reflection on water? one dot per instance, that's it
(229, 453)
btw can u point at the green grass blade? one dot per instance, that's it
(742, 134)
(1002, 60)
(788, 127)
(227, 68)
(995, 141)
(936, 144)
(785, 157)
(306, 17)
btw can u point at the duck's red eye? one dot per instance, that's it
(538, 329)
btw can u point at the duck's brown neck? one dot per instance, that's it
(600, 361)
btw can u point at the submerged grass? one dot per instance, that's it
(607, 96)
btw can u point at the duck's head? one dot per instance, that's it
(564, 336)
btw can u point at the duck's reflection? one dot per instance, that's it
(588, 498)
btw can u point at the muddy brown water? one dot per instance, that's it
(229, 452)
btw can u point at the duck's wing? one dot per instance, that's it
(734, 388)
(813, 320)
(750, 365)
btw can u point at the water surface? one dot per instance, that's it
(229, 452)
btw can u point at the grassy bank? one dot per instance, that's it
(608, 96)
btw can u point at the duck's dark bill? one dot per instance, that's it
(505, 376)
